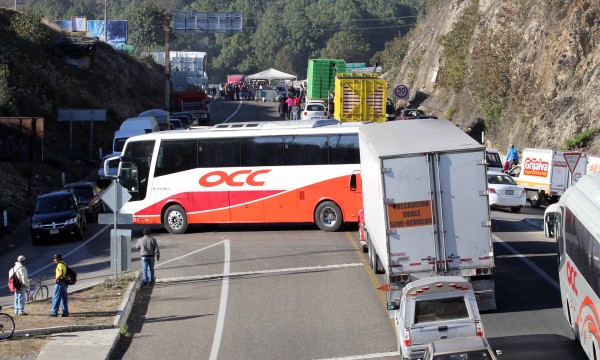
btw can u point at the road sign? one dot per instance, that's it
(572, 160)
(115, 196)
(109, 219)
(401, 91)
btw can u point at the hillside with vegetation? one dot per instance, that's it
(523, 71)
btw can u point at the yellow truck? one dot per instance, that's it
(360, 97)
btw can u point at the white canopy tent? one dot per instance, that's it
(271, 74)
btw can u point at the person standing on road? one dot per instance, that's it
(60, 296)
(21, 272)
(149, 251)
(512, 155)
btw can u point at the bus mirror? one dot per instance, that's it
(549, 222)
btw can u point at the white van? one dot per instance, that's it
(122, 135)
(147, 123)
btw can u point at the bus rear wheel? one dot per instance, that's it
(175, 219)
(328, 216)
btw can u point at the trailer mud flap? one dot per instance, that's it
(485, 294)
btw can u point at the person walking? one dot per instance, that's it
(149, 251)
(290, 103)
(23, 277)
(512, 155)
(60, 296)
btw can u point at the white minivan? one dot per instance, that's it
(147, 123)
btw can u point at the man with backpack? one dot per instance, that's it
(60, 296)
(20, 281)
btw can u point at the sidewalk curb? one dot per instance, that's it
(121, 317)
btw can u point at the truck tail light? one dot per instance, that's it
(524, 192)
(325, 113)
(406, 337)
(479, 329)
(492, 191)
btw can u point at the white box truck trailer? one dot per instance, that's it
(426, 208)
(545, 174)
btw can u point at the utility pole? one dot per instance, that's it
(167, 64)
(105, 23)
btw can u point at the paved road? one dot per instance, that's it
(294, 292)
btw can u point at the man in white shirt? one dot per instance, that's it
(21, 272)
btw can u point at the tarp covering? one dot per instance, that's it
(75, 47)
(271, 74)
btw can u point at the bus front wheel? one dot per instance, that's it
(328, 216)
(175, 220)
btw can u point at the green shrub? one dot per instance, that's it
(580, 140)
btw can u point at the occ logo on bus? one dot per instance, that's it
(571, 276)
(236, 178)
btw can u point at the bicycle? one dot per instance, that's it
(38, 292)
(7, 325)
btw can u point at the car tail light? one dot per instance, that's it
(479, 329)
(406, 338)
(524, 192)
(325, 113)
(492, 191)
(305, 113)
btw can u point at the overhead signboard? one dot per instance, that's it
(355, 65)
(81, 114)
(207, 22)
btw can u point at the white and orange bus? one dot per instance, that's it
(574, 223)
(261, 172)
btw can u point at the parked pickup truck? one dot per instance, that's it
(439, 307)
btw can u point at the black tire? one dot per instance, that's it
(175, 220)
(40, 293)
(7, 326)
(536, 199)
(515, 208)
(328, 216)
(377, 268)
(370, 251)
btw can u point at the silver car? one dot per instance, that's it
(435, 308)
(467, 348)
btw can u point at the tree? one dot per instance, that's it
(147, 24)
(347, 46)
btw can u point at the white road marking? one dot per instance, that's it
(523, 256)
(529, 263)
(222, 304)
(67, 254)
(257, 272)
(366, 356)
(235, 112)
(188, 254)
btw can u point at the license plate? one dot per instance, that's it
(54, 231)
(480, 297)
(509, 192)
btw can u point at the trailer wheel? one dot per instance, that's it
(370, 251)
(377, 268)
(536, 199)
(175, 219)
(328, 216)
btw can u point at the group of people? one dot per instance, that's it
(60, 295)
(289, 107)
(149, 252)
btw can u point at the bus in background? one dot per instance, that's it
(573, 221)
(261, 172)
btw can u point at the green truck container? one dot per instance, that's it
(360, 97)
(320, 80)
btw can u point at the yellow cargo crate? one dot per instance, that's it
(360, 97)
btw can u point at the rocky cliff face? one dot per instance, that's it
(525, 70)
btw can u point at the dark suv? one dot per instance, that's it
(89, 196)
(57, 215)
